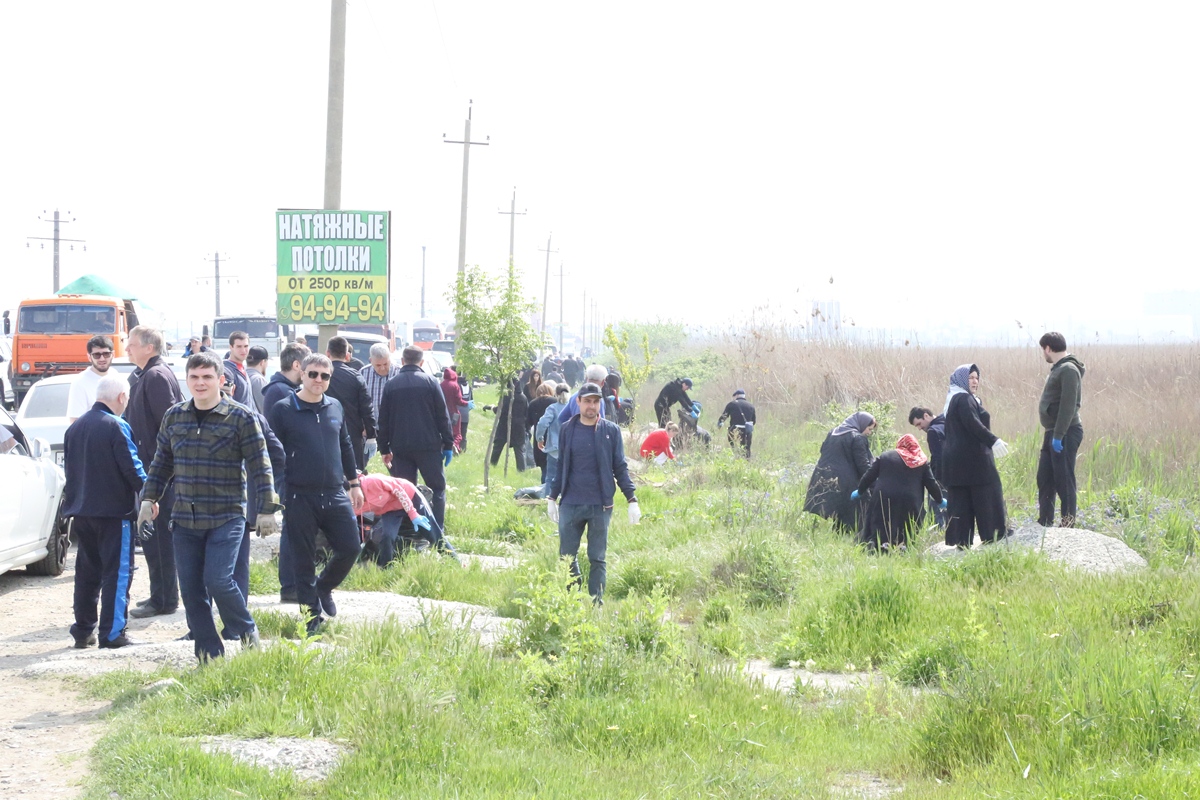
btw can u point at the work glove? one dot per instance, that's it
(1000, 449)
(266, 525)
(470, 405)
(944, 504)
(423, 523)
(448, 456)
(1056, 445)
(854, 495)
(552, 510)
(635, 513)
(145, 514)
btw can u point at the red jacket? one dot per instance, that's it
(382, 494)
(657, 443)
(452, 391)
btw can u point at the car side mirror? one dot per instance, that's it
(41, 450)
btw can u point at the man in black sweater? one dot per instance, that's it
(935, 436)
(347, 388)
(741, 418)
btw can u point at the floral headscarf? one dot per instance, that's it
(910, 450)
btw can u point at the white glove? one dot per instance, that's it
(266, 525)
(552, 509)
(145, 513)
(1000, 449)
(635, 513)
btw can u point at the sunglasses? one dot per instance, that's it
(324, 376)
(101, 354)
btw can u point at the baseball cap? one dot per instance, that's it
(739, 393)
(589, 390)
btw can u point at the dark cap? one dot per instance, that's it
(257, 355)
(589, 390)
(739, 392)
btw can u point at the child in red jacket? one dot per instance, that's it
(390, 500)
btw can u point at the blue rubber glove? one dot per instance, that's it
(944, 504)
(854, 495)
(1056, 445)
(470, 405)
(422, 522)
(720, 424)
(448, 455)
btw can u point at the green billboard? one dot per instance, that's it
(332, 266)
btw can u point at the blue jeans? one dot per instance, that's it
(551, 471)
(572, 519)
(206, 560)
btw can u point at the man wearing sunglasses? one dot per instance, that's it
(321, 467)
(83, 389)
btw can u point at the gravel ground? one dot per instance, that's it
(310, 759)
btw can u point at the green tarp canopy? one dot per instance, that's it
(93, 284)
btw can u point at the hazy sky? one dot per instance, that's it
(945, 164)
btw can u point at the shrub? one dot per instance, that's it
(761, 568)
(642, 625)
(557, 618)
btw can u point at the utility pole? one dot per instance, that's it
(334, 113)
(422, 281)
(583, 324)
(216, 279)
(462, 219)
(512, 228)
(546, 286)
(561, 305)
(56, 239)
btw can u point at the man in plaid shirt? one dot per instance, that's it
(376, 375)
(202, 444)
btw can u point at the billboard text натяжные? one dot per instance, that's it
(332, 266)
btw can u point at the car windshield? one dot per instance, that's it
(254, 328)
(67, 318)
(426, 335)
(46, 400)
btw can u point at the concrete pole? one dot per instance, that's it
(561, 281)
(56, 251)
(462, 214)
(545, 291)
(334, 113)
(216, 279)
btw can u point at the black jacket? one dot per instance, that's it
(844, 460)
(347, 387)
(536, 409)
(571, 371)
(897, 498)
(516, 418)
(738, 412)
(276, 389)
(155, 390)
(935, 437)
(278, 458)
(610, 457)
(967, 458)
(673, 393)
(412, 414)
(104, 473)
(317, 443)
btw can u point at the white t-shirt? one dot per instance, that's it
(83, 393)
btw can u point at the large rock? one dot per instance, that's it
(1075, 547)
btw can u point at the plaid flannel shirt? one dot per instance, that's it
(206, 462)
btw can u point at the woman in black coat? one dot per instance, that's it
(976, 496)
(543, 400)
(845, 458)
(900, 479)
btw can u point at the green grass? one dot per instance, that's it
(1004, 675)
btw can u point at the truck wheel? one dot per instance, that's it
(58, 545)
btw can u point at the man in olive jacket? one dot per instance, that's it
(1059, 413)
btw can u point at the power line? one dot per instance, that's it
(512, 228)
(546, 285)
(57, 220)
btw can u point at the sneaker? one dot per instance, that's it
(314, 625)
(327, 604)
(149, 610)
(143, 603)
(250, 639)
(120, 641)
(84, 642)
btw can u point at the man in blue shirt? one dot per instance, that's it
(591, 465)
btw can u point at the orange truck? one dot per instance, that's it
(52, 333)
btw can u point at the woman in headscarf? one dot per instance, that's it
(900, 478)
(976, 496)
(454, 404)
(845, 458)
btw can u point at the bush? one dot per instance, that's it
(643, 572)
(557, 618)
(641, 624)
(761, 568)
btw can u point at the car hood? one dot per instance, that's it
(52, 429)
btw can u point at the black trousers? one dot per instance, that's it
(974, 507)
(103, 570)
(359, 445)
(740, 439)
(662, 412)
(311, 510)
(1056, 477)
(159, 550)
(432, 466)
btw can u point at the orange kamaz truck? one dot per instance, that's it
(51, 334)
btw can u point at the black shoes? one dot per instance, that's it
(149, 610)
(120, 641)
(327, 604)
(314, 625)
(84, 642)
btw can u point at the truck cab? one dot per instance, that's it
(263, 331)
(52, 333)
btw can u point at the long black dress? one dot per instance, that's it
(976, 496)
(844, 460)
(897, 500)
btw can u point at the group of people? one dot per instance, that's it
(196, 477)
(881, 499)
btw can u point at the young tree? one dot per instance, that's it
(494, 338)
(633, 376)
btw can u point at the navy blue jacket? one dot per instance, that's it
(240, 383)
(412, 414)
(104, 473)
(155, 390)
(276, 389)
(610, 455)
(935, 435)
(317, 443)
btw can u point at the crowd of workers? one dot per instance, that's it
(196, 478)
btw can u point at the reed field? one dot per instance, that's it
(995, 674)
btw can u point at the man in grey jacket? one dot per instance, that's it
(591, 465)
(1058, 410)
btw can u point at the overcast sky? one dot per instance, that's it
(943, 164)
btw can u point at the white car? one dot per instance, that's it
(32, 533)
